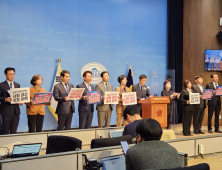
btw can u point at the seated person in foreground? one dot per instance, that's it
(132, 115)
(150, 152)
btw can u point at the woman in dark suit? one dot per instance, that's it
(172, 95)
(188, 109)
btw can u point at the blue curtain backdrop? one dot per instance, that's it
(114, 33)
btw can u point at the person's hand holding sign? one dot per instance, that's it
(20, 104)
(65, 98)
(80, 97)
(8, 99)
(86, 97)
(103, 98)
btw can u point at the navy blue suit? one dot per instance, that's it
(10, 112)
(64, 109)
(141, 94)
(85, 110)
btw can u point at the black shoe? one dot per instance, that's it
(186, 134)
(201, 132)
(210, 131)
(218, 131)
(196, 132)
(190, 135)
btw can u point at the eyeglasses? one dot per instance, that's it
(11, 74)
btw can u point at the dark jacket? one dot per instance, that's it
(215, 99)
(7, 108)
(83, 105)
(196, 89)
(152, 155)
(139, 93)
(184, 97)
(60, 93)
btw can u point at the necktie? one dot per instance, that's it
(89, 88)
(10, 85)
(142, 88)
(107, 87)
(67, 88)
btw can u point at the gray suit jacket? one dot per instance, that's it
(59, 93)
(101, 87)
(196, 89)
(83, 105)
(7, 108)
(139, 93)
(152, 155)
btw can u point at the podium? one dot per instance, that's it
(155, 108)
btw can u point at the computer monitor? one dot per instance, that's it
(113, 162)
(116, 133)
(26, 150)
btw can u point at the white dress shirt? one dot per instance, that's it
(10, 83)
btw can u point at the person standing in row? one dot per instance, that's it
(214, 105)
(10, 112)
(188, 109)
(172, 95)
(35, 113)
(119, 107)
(65, 108)
(104, 111)
(199, 108)
(142, 91)
(85, 110)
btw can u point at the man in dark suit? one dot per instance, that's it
(85, 110)
(199, 108)
(10, 112)
(214, 104)
(104, 111)
(65, 108)
(142, 91)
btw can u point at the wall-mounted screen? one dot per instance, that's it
(213, 60)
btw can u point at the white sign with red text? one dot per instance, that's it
(129, 98)
(75, 93)
(111, 98)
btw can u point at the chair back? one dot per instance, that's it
(105, 142)
(56, 144)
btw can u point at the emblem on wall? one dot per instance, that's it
(96, 69)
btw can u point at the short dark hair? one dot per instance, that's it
(165, 82)
(8, 69)
(120, 78)
(34, 78)
(197, 77)
(104, 72)
(142, 76)
(212, 75)
(84, 74)
(63, 73)
(168, 77)
(131, 110)
(185, 83)
(149, 129)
